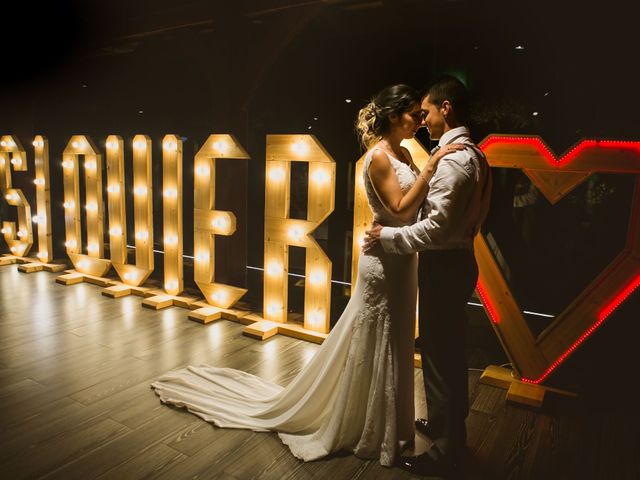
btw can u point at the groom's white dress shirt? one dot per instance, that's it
(456, 204)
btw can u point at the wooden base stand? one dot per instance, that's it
(158, 299)
(7, 261)
(261, 330)
(71, 277)
(297, 331)
(117, 291)
(259, 324)
(202, 312)
(31, 264)
(417, 360)
(518, 391)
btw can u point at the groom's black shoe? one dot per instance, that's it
(425, 465)
(426, 427)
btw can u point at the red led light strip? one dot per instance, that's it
(606, 311)
(487, 303)
(559, 162)
(567, 157)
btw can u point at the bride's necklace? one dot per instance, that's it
(385, 147)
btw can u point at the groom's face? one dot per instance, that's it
(434, 119)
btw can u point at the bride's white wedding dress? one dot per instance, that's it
(356, 393)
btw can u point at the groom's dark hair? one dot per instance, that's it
(450, 88)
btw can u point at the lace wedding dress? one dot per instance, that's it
(356, 394)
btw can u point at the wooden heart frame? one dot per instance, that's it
(534, 358)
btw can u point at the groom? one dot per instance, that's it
(456, 205)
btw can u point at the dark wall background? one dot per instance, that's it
(561, 70)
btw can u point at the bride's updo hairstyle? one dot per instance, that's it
(373, 119)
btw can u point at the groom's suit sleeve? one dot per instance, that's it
(447, 200)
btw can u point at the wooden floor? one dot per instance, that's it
(75, 401)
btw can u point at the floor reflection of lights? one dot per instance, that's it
(308, 353)
(127, 314)
(214, 335)
(270, 348)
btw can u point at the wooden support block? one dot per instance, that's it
(54, 267)
(297, 331)
(498, 377)
(417, 360)
(526, 393)
(142, 292)
(184, 301)
(117, 291)
(6, 261)
(31, 267)
(70, 278)
(100, 281)
(237, 315)
(261, 330)
(251, 318)
(206, 314)
(158, 302)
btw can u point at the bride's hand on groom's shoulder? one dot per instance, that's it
(445, 150)
(372, 238)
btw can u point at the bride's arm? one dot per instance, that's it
(385, 182)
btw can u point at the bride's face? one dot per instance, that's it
(407, 124)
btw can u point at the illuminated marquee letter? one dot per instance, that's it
(281, 231)
(362, 215)
(93, 263)
(12, 154)
(43, 199)
(142, 207)
(172, 214)
(209, 222)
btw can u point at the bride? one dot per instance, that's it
(356, 394)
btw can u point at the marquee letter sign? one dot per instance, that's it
(533, 358)
(209, 222)
(43, 199)
(12, 154)
(280, 231)
(93, 262)
(133, 275)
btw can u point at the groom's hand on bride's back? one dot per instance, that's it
(372, 238)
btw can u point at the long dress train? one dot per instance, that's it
(356, 393)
